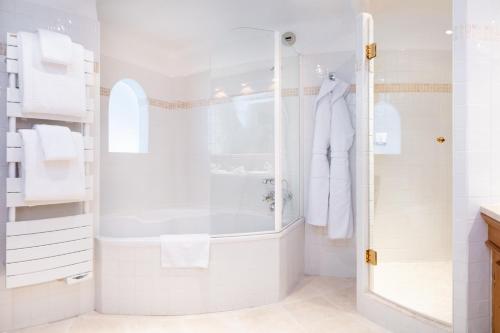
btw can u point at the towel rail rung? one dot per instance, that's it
(45, 251)
(14, 110)
(48, 275)
(17, 200)
(14, 96)
(49, 224)
(15, 155)
(15, 185)
(37, 265)
(12, 66)
(11, 39)
(14, 140)
(12, 52)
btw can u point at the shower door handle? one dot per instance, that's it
(440, 139)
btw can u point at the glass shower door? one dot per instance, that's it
(411, 160)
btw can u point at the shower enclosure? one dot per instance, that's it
(405, 165)
(224, 164)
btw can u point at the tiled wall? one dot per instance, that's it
(476, 174)
(47, 302)
(174, 172)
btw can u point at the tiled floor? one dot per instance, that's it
(425, 287)
(318, 304)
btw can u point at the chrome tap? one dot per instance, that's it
(269, 181)
(270, 196)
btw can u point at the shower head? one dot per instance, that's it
(288, 38)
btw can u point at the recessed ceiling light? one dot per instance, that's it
(449, 32)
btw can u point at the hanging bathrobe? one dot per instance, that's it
(329, 201)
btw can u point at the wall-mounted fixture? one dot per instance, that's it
(288, 38)
(387, 129)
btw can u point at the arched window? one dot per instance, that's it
(128, 120)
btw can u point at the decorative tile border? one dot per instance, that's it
(413, 88)
(314, 90)
(395, 88)
(291, 92)
(105, 92)
(479, 32)
(311, 91)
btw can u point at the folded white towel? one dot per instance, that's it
(46, 181)
(185, 251)
(48, 88)
(57, 142)
(55, 47)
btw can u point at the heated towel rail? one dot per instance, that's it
(44, 250)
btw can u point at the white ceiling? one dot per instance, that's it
(175, 37)
(179, 23)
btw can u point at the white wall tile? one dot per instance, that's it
(475, 123)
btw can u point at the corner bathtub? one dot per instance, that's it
(244, 270)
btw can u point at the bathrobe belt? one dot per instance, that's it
(339, 155)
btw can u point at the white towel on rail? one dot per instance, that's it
(48, 88)
(57, 142)
(185, 250)
(55, 47)
(49, 181)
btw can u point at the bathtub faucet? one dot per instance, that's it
(271, 195)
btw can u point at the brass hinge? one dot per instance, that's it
(371, 256)
(371, 51)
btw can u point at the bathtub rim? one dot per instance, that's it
(220, 238)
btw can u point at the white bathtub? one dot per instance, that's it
(185, 221)
(244, 271)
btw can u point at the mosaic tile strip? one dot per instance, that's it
(105, 92)
(395, 88)
(314, 90)
(479, 32)
(199, 103)
(413, 88)
(311, 91)
(291, 92)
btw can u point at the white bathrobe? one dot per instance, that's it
(330, 185)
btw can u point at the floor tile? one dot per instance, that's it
(317, 305)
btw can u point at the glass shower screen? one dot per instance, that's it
(248, 119)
